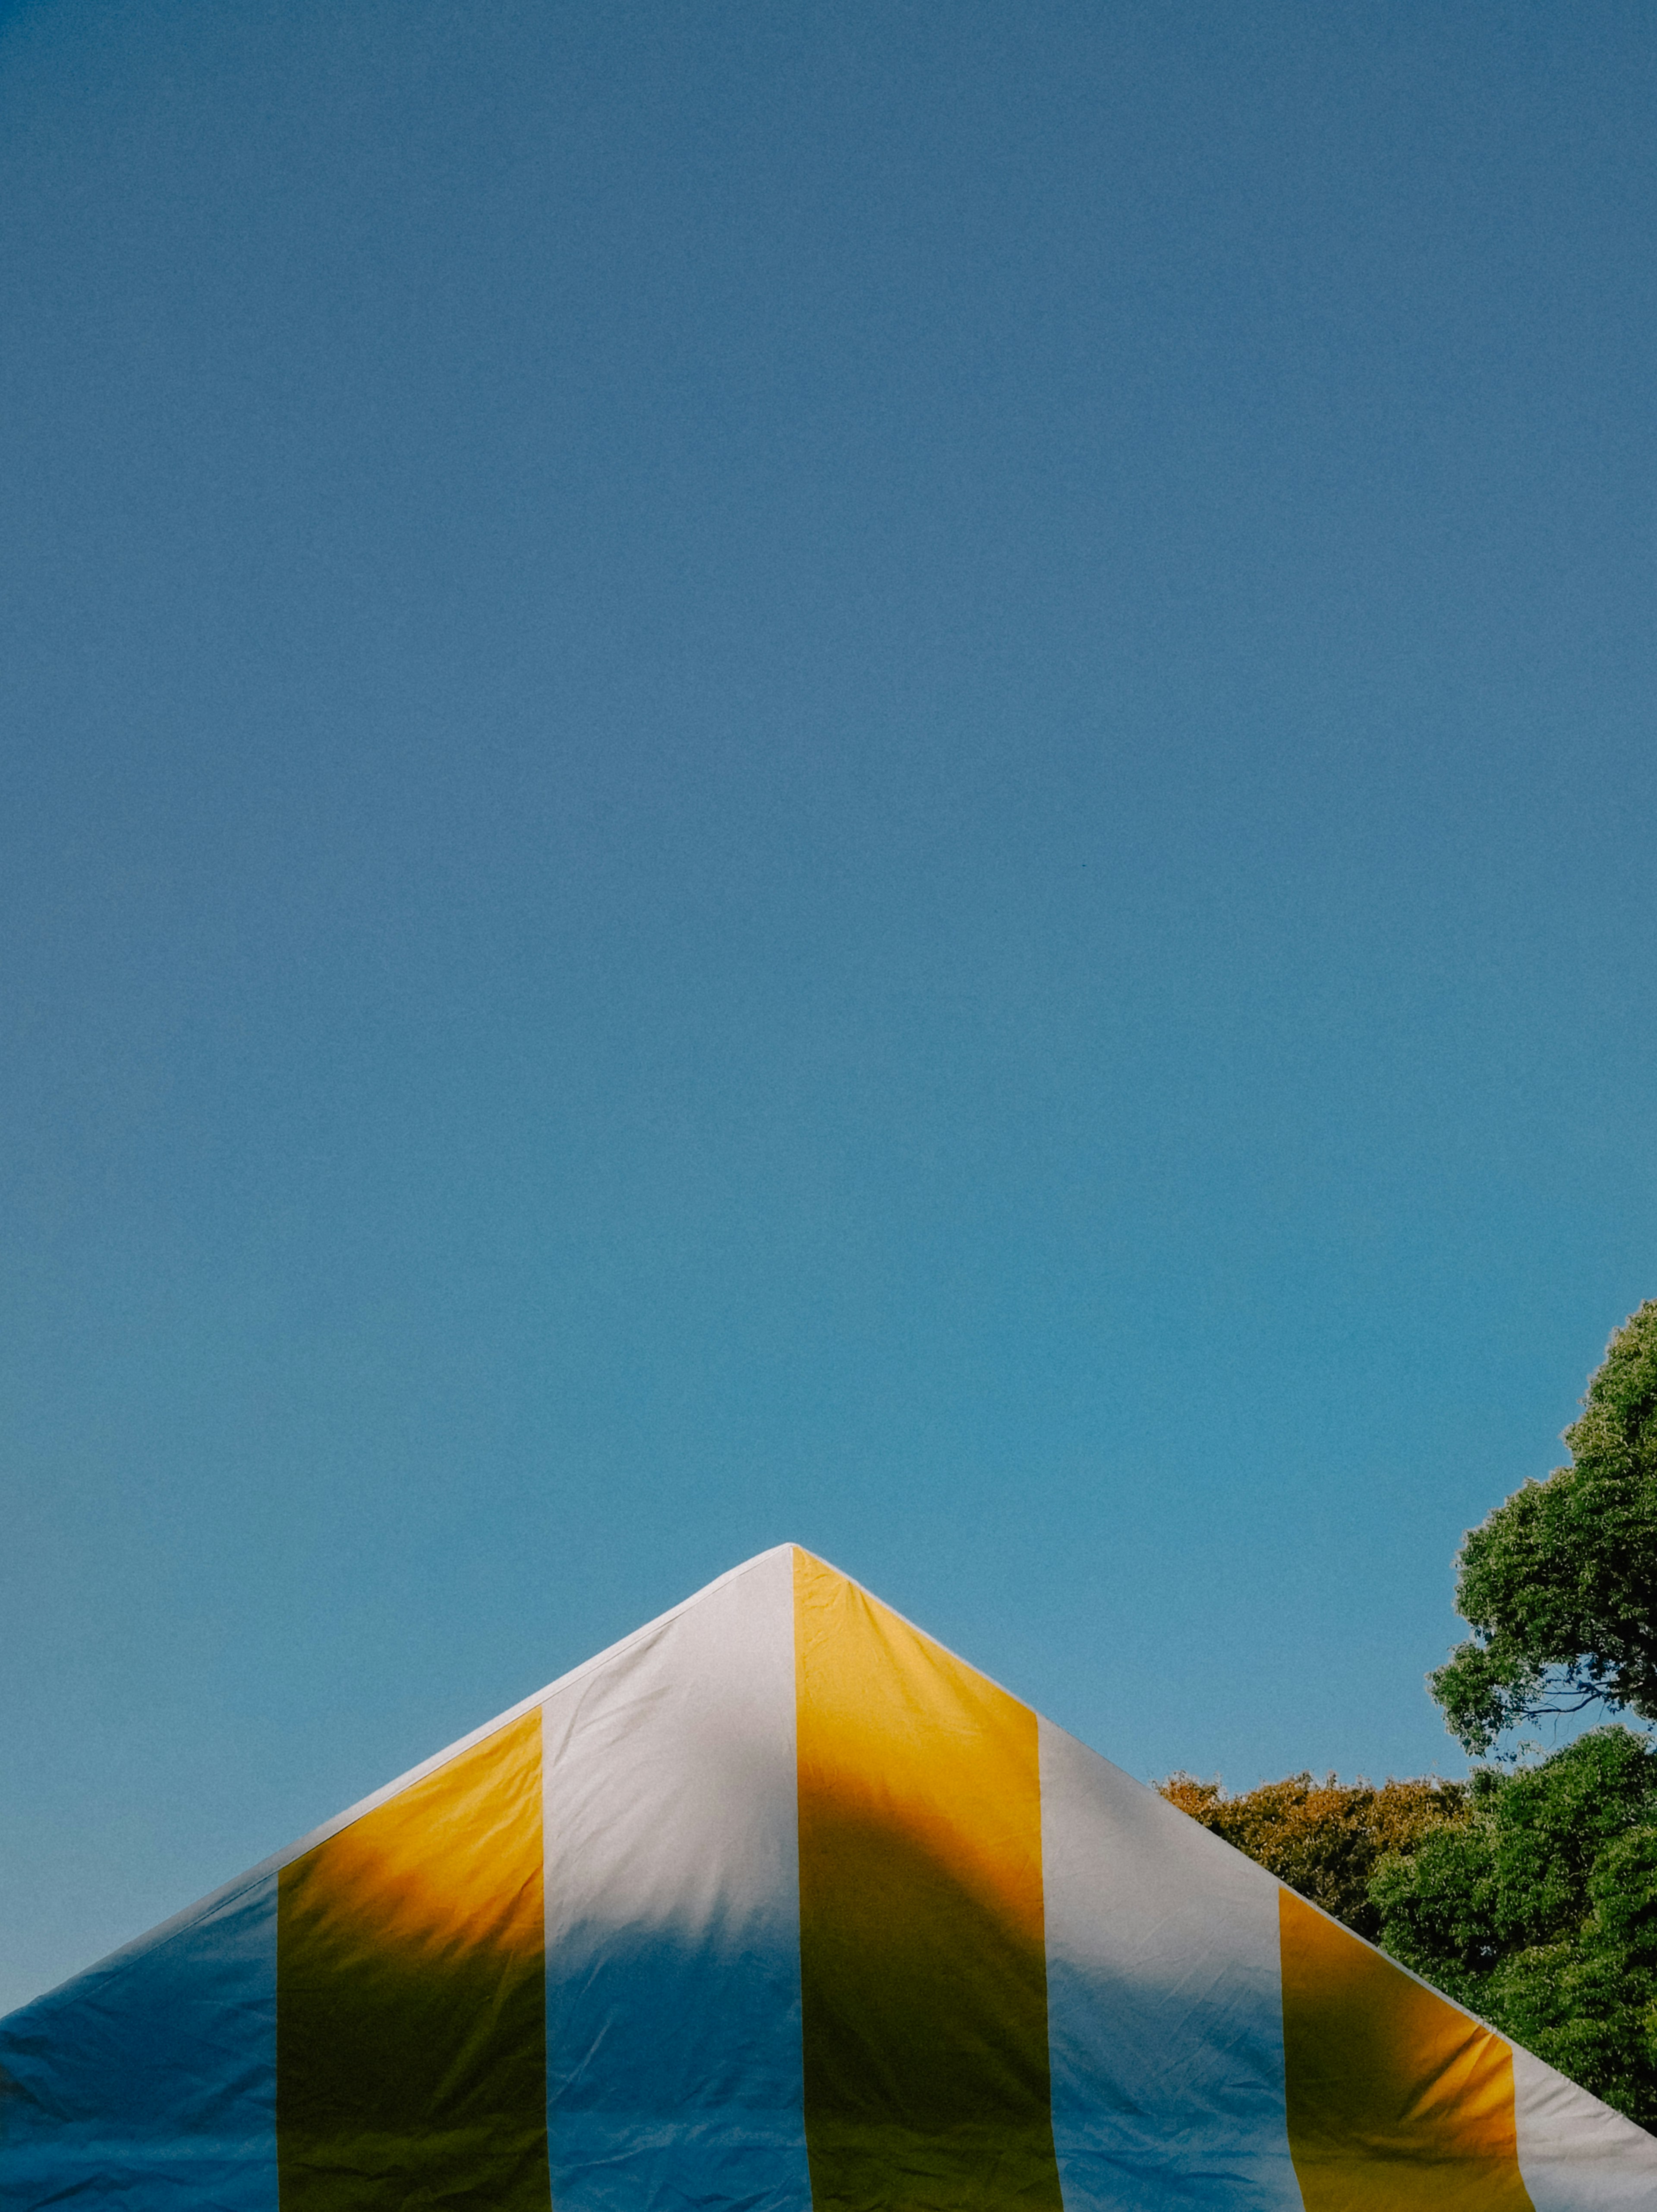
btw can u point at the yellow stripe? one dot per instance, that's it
(922, 1960)
(1397, 2101)
(411, 2063)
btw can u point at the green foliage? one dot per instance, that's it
(1559, 1584)
(1531, 1895)
(1324, 1838)
(1539, 1911)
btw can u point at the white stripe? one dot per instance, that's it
(1164, 2002)
(1576, 2154)
(673, 2013)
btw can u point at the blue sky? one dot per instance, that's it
(873, 773)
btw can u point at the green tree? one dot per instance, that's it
(1559, 1585)
(1539, 1911)
(1324, 1838)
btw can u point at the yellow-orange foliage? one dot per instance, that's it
(1324, 1838)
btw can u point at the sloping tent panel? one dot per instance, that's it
(1576, 2154)
(1393, 2096)
(1164, 2001)
(150, 2080)
(411, 2045)
(777, 1906)
(923, 1974)
(673, 1912)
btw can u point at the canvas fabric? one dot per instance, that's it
(778, 1904)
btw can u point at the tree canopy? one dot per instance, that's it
(1539, 1911)
(1529, 1897)
(1559, 1584)
(1324, 1838)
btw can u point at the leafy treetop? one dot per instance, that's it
(1324, 1838)
(1539, 1911)
(1531, 1898)
(1559, 1584)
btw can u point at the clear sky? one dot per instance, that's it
(873, 772)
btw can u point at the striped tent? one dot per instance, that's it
(774, 1906)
